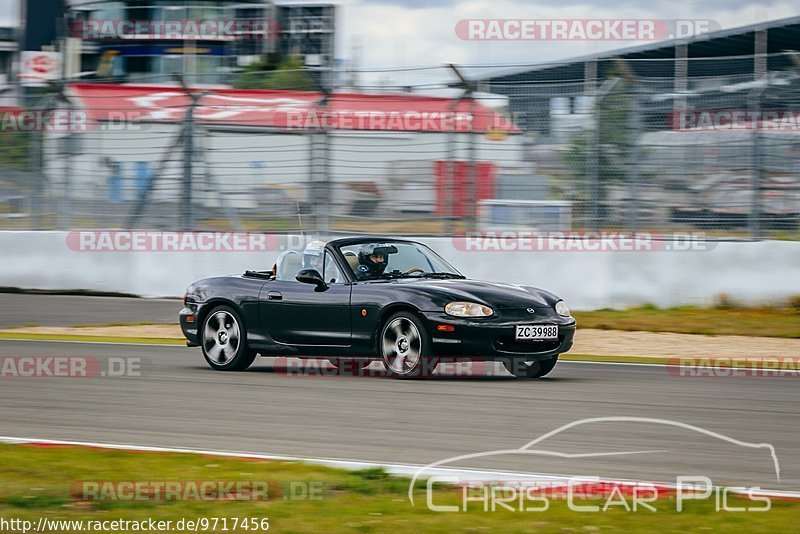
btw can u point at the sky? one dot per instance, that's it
(418, 32)
(403, 33)
(9, 12)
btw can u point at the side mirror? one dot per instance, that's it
(311, 276)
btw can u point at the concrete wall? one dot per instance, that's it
(751, 272)
(754, 273)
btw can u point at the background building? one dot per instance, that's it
(308, 31)
(710, 71)
(8, 52)
(609, 130)
(595, 140)
(153, 57)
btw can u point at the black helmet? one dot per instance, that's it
(367, 265)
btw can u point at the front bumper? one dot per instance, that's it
(492, 338)
(188, 320)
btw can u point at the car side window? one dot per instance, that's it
(331, 273)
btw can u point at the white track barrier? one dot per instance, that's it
(749, 272)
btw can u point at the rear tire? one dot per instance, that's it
(403, 345)
(535, 369)
(223, 340)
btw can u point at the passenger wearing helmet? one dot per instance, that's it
(312, 256)
(372, 260)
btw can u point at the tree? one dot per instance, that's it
(14, 154)
(288, 75)
(614, 139)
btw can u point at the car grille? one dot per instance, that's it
(509, 344)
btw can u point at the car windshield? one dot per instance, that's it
(371, 260)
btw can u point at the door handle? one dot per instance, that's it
(274, 295)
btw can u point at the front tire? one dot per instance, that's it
(536, 369)
(224, 340)
(403, 346)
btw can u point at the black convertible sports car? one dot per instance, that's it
(357, 300)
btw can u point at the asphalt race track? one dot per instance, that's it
(176, 401)
(19, 309)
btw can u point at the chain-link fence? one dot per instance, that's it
(619, 146)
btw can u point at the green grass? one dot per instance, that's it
(100, 339)
(568, 356)
(35, 482)
(143, 323)
(769, 322)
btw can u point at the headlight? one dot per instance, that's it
(467, 309)
(562, 309)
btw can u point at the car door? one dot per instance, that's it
(299, 314)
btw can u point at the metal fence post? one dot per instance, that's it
(472, 174)
(325, 200)
(319, 183)
(36, 163)
(67, 204)
(634, 160)
(311, 190)
(593, 164)
(449, 177)
(756, 176)
(449, 192)
(187, 222)
(36, 170)
(321, 193)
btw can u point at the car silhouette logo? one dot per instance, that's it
(531, 310)
(530, 447)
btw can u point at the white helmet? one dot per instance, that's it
(312, 255)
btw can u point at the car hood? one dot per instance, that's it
(493, 294)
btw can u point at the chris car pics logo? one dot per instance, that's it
(585, 493)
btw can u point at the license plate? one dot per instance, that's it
(536, 331)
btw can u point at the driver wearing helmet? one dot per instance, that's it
(372, 260)
(312, 256)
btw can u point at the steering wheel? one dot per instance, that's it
(414, 270)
